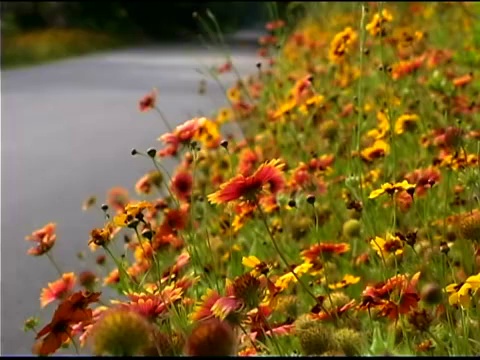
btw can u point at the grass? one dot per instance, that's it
(345, 222)
(41, 46)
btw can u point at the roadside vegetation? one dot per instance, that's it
(345, 221)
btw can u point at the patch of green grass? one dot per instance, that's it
(41, 46)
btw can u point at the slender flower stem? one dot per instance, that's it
(119, 265)
(272, 335)
(279, 252)
(164, 119)
(170, 179)
(54, 264)
(439, 343)
(74, 344)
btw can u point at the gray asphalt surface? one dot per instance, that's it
(67, 131)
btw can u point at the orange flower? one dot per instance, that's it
(117, 198)
(248, 188)
(274, 25)
(147, 103)
(315, 250)
(463, 80)
(147, 182)
(226, 67)
(57, 332)
(58, 289)
(70, 312)
(112, 278)
(45, 239)
(182, 184)
(406, 67)
(182, 134)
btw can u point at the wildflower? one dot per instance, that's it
(431, 293)
(341, 45)
(208, 133)
(148, 181)
(351, 228)
(275, 25)
(284, 281)
(213, 304)
(460, 294)
(315, 337)
(420, 320)
(225, 67)
(248, 288)
(346, 281)
(58, 289)
(424, 179)
(378, 149)
(148, 102)
(323, 249)
(404, 68)
(120, 332)
(101, 236)
(150, 306)
(405, 123)
(248, 188)
(45, 239)
(390, 245)
(212, 337)
(87, 279)
(132, 211)
(389, 188)
(71, 311)
(182, 134)
(374, 27)
(234, 94)
(117, 198)
(425, 346)
(112, 278)
(89, 202)
(463, 80)
(259, 267)
(349, 341)
(469, 225)
(182, 184)
(224, 115)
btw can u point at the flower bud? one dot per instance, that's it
(121, 332)
(350, 341)
(212, 337)
(351, 228)
(431, 294)
(315, 337)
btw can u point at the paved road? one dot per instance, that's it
(67, 131)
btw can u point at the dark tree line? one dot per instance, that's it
(157, 20)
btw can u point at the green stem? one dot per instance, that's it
(54, 264)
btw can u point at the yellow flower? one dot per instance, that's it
(285, 108)
(250, 261)
(390, 189)
(379, 148)
(405, 122)
(131, 211)
(224, 115)
(312, 102)
(375, 26)
(462, 293)
(208, 133)
(284, 281)
(390, 245)
(346, 281)
(234, 95)
(341, 44)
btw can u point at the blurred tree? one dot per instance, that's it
(156, 20)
